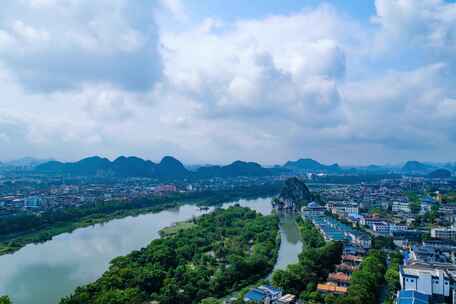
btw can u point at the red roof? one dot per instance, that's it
(331, 288)
(339, 277)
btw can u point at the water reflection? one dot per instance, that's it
(44, 273)
(291, 245)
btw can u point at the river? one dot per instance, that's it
(44, 273)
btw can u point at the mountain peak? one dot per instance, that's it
(416, 166)
(310, 165)
(171, 167)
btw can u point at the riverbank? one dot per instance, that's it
(107, 211)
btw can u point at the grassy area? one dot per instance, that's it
(171, 230)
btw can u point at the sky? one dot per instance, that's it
(211, 81)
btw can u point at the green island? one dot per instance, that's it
(20, 230)
(223, 251)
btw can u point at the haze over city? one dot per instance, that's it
(353, 82)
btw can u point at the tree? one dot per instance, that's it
(415, 207)
(383, 242)
(5, 300)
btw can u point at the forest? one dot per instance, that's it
(224, 251)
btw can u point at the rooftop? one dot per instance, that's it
(411, 297)
(339, 276)
(331, 288)
(255, 295)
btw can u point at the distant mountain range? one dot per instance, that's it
(24, 162)
(167, 168)
(171, 168)
(414, 166)
(440, 173)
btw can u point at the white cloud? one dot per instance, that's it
(279, 66)
(50, 46)
(176, 8)
(425, 23)
(90, 79)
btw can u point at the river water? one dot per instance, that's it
(44, 273)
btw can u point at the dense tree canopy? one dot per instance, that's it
(5, 300)
(224, 251)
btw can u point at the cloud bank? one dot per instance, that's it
(145, 78)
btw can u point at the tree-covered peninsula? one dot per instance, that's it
(223, 251)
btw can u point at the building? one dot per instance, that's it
(370, 221)
(398, 227)
(411, 297)
(263, 294)
(401, 206)
(345, 209)
(426, 204)
(331, 289)
(339, 279)
(33, 202)
(287, 299)
(257, 296)
(411, 235)
(426, 279)
(381, 227)
(313, 209)
(165, 188)
(427, 254)
(444, 233)
(346, 268)
(353, 260)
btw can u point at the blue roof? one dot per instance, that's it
(412, 297)
(406, 256)
(313, 205)
(271, 288)
(255, 295)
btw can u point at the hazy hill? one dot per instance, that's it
(25, 162)
(310, 165)
(86, 166)
(414, 166)
(440, 173)
(133, 167)
(169, 167)
(237, 168)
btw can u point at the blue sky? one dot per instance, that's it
(238, 9)
(353, 82)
